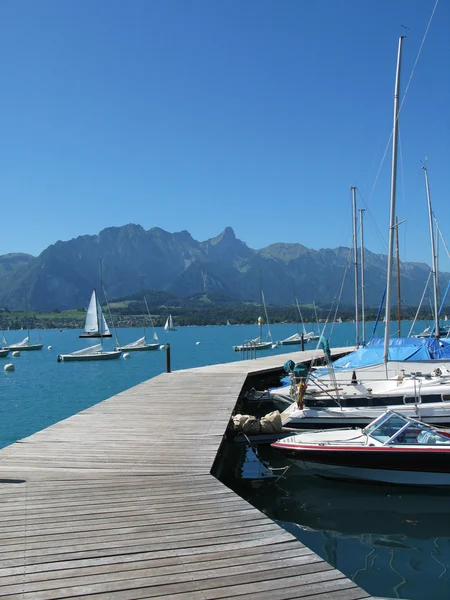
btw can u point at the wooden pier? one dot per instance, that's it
(118, 503)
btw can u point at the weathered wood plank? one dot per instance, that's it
(118, 502)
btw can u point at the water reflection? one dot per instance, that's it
(392, 541)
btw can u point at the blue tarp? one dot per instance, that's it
(400, 349)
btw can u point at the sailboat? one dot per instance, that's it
(142, 344)
(298, 338)
(3, 350)
(258, 343)
(393, 370)
(95, 325)
(25, 343)
(169, 324)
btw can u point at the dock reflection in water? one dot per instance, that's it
(392, 541)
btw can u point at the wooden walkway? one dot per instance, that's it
(118, 503)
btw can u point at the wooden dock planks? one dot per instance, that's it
(117, 502)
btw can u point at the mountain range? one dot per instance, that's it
(132, 258)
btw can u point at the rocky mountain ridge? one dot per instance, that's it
(65, 273)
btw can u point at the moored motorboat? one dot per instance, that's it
(392, 449)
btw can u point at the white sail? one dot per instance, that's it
(105, 328)
(169, 324)
(24, 342)
(91, 323)
(89, 350)
(139, 342)
(94, 318)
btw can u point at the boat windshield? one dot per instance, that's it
(393, 428)
(386, 426)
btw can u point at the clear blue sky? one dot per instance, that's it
(203, 114)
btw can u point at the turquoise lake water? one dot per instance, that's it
(392, 541)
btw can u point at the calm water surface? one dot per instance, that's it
(392, 542)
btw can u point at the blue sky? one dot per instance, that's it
(202, 114)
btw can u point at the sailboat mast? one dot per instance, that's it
(392, 203)
(433, 257)
(27, 310)
(99, 325)
(363, 292)
(355, 255)
(398, 277)
(145, 301)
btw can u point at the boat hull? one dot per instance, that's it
(95, 335)
(433, 413)
(88, 357)
(4, 352)
(145, 348)
(387, 464)
(262, 346)
(391, 476)
(24, 348)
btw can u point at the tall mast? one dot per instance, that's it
(433, 257)
(392, 207)
(100, 321)
(27, 310)
(355, 255)
(363, 297)
(398, 276)
(145, 301)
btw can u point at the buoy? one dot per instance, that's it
(162, 347)
(15, 353)
(197, 343)
(126, 355)
(50, 348)
(9, 367)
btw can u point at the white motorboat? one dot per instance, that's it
(393, 449)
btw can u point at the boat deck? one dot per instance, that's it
(118, 503)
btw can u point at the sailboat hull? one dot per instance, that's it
(95, 335)
(23, 348)
(4, 352)
(86, 357)
(143, 348)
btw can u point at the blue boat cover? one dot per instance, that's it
(400, 349)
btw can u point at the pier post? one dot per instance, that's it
(303, 342)
(167, 358)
